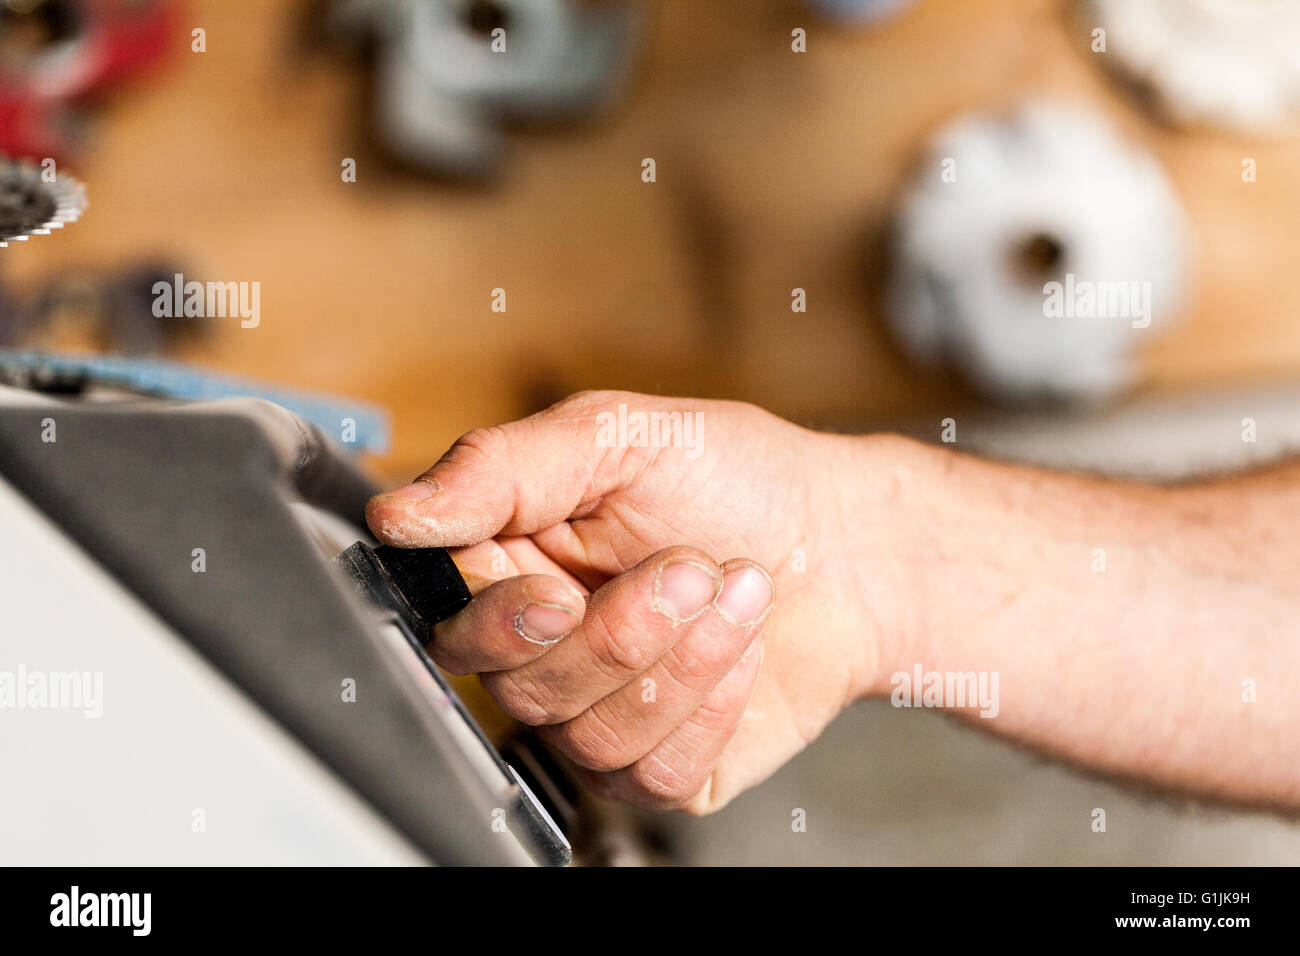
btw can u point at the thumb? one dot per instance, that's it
(513, 479)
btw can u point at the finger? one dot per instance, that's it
(630, 623)
(509, 624)
(512, 479)
(481, 564)
(620, 729)
(679, 770)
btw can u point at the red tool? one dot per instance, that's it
(58, 55)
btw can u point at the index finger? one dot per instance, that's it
(514, 479)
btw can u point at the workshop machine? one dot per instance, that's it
(202, 660)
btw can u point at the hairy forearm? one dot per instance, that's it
(1141, 631)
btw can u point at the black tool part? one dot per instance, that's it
(422, 584)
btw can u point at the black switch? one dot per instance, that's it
(421, 584)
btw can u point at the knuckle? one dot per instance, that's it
(666, 786)
(592, 399)
(591, 741)
(747, 411)
(699, 661)
(616, 649)
(480, 444)
(718, 713)
(522, 698)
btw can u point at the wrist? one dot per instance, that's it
(885, 485)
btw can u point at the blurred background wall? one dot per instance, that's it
(774, 171)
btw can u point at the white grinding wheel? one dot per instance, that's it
(1004, 207)
(1234, 64)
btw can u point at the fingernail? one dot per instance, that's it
(684, 590)
(746, 595)
(422, 489)
(544, 623)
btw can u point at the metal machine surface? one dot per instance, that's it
(252, 705)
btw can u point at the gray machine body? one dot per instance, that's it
(251, 708)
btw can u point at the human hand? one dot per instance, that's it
(678, 621)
